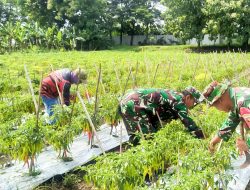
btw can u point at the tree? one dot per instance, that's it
(223, 19)
(37, 10)
(149, 15)
(244, 22)
(185, 19)
(135, 16)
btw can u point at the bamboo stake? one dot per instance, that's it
(117, 78)
(206, 71)
(147, 71)
(32, 162)
(39, 96)
(100, 80)
(153, 82)
(117, 113)
(125, 87)
(168, 72)
(96, 102)
(57, 88)
(159, 119)
(132, 76)
(142, 135)
(121, 138)
(73, 105)
(219, 146)
(136, 71)
(90, 122)
(31, 88)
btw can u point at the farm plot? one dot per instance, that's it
(23, 134)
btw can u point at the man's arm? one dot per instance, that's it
(229, 126)
(188, 121)
(225, 131)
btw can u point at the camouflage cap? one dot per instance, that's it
(195, 93)
(214, 91)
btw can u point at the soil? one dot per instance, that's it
(59, 186)
(70, 181)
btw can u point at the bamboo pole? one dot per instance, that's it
(132, 76)
(121, 138)
(125, 87)
(96, 102)
(31, 88)
(57, 88)
(136, 71)
(147, 71)
(159, 119)
(117, 77)
(153, 82)
(90, 121)
(37, 107)
(117, 113)
(100, 80)
(39, 97)
(73, 105)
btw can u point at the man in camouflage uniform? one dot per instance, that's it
(232, 100)
(145, 108)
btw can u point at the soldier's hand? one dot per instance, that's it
(215, 140)
(241, 145)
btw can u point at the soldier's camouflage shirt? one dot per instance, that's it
(241, 98)
(140, 107)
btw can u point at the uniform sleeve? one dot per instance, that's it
(185, 119)
(66, 93)
(229, 126)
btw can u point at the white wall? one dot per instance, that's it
(206, 41)
(140, 38)
(170, 39)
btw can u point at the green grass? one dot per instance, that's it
(175, 64)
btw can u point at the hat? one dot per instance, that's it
(82, 75)
(198, 97)
(214, 91)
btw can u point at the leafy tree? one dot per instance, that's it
(135, 16)
(149, 16)
(223, 18)
(38, 11)
(185, 19)
(86, 16)
(244, 22)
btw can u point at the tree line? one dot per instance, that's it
(91, 24)
(188, 19)
(74, 24)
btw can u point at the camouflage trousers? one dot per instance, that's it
(136, 120)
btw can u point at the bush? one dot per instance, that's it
(161, 41)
